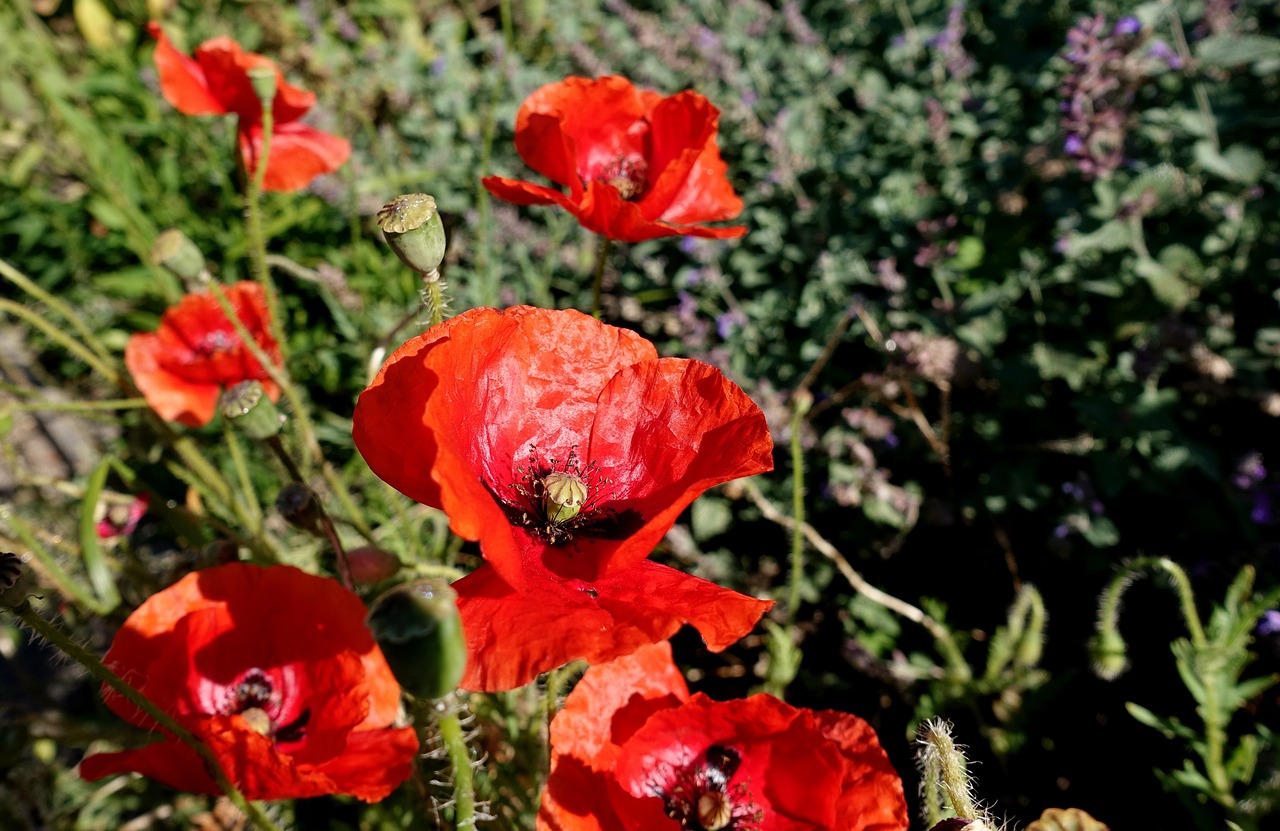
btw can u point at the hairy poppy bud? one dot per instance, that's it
(371, 565)
(263, 80)
(247, 406)
(412, 227)
(176, 252)
(1107, 651)
(420, 632)
(297, 504)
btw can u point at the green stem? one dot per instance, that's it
(76, 406)
(254, 230)
(597, 285)
(435, 301)
(88, 336)
(799, 407)
(65, 340)
(252, 507)
(66, 585)
(326, 523)
(100, 671)
(455, 743)
(275, 373)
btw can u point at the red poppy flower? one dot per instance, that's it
(275, 670)
(216, 82)
(568, 449)
(632, 750)
(181, 368)
(637, 165)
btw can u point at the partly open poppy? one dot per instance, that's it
(631, 749)
(568, 449)
(216, 82)
(182, 367)
(637, 165)
(276, 672)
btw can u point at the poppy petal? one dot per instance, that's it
(664, 432)
(513, 635)
(518, 192)
(299, 153)
(472, 395)
(604, 211)
(612, 701)
(600, 119)
(173, 398)
(226, 69)
(541, 139)
(182, 79)
(693, 187)
(872, 790)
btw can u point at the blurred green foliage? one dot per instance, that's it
(1043, 373)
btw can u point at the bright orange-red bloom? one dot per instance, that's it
(182, 367)
(632, 750)
(276, 672)
(637, 165)
(568, 449)
(216, 82)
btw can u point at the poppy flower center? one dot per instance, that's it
(557, 498)
(700, 796)
(628, 175)
(254, 697)
(214, 342)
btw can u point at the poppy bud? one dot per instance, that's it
(412, 227)
(247, 406)
(564, 494)
(263, 80)
(297, 504)
(420, 632)
(371, 565)
(176, 252)
(1107, 651)
(13, 581)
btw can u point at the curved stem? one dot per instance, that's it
(65, 340)
(798, 409)
(100, 671)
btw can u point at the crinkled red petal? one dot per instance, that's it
(453, 412)
(513, 635)
(871, 790)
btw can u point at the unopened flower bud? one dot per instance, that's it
(420, 632)
(263, 80)
(1107, 651)
(564, 494)
(13, 580)
(176, 252)
(247, 406)
(412, 227)
(297, 504)
(371, 565)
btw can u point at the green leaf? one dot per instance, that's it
(709, 517)
(1170, 727)
(104, 585)
(1237, 163)
(1168, 287)
(1227, 50)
